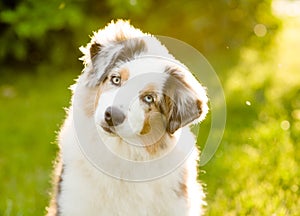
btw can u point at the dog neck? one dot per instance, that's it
(141, 149)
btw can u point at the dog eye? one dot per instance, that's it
(116, 80)
(148, 99)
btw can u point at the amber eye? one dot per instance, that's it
(148, 99)
(116, 80)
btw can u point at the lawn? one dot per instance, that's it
(254, 172)
(31, 112)
(256, 168)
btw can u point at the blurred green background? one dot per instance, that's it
(252, 45)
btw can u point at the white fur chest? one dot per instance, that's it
(96, 194)
(87, 191)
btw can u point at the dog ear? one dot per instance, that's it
(94, 49)
(99, 59)
(185, 105)
(103, 58)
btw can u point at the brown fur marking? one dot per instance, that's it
(153, 148)
(147, 127)
(199, 104)
(124, 73)
(120, 36)
(89, 106)
(178, 75)
(149, 89)
(94, 50)
(175, 86)
(182, 190)
(150, 112)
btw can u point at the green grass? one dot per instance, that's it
(31, 111)
(254, 172)
(256, 169)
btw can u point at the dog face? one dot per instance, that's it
(142, 91)
(129, 100)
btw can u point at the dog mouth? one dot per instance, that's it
(108, 129)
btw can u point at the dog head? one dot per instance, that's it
(140, 89)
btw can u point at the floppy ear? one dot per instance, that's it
(185, 104)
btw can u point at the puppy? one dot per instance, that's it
(125, 146)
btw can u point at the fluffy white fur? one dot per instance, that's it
(81, 189)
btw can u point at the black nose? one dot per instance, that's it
(113, 116)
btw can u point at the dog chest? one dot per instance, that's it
(93, 193)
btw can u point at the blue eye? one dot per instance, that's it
(116, 80)
(148, 99)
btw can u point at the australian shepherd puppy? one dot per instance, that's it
(126, 147)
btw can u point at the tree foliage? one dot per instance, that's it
(34, 32)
